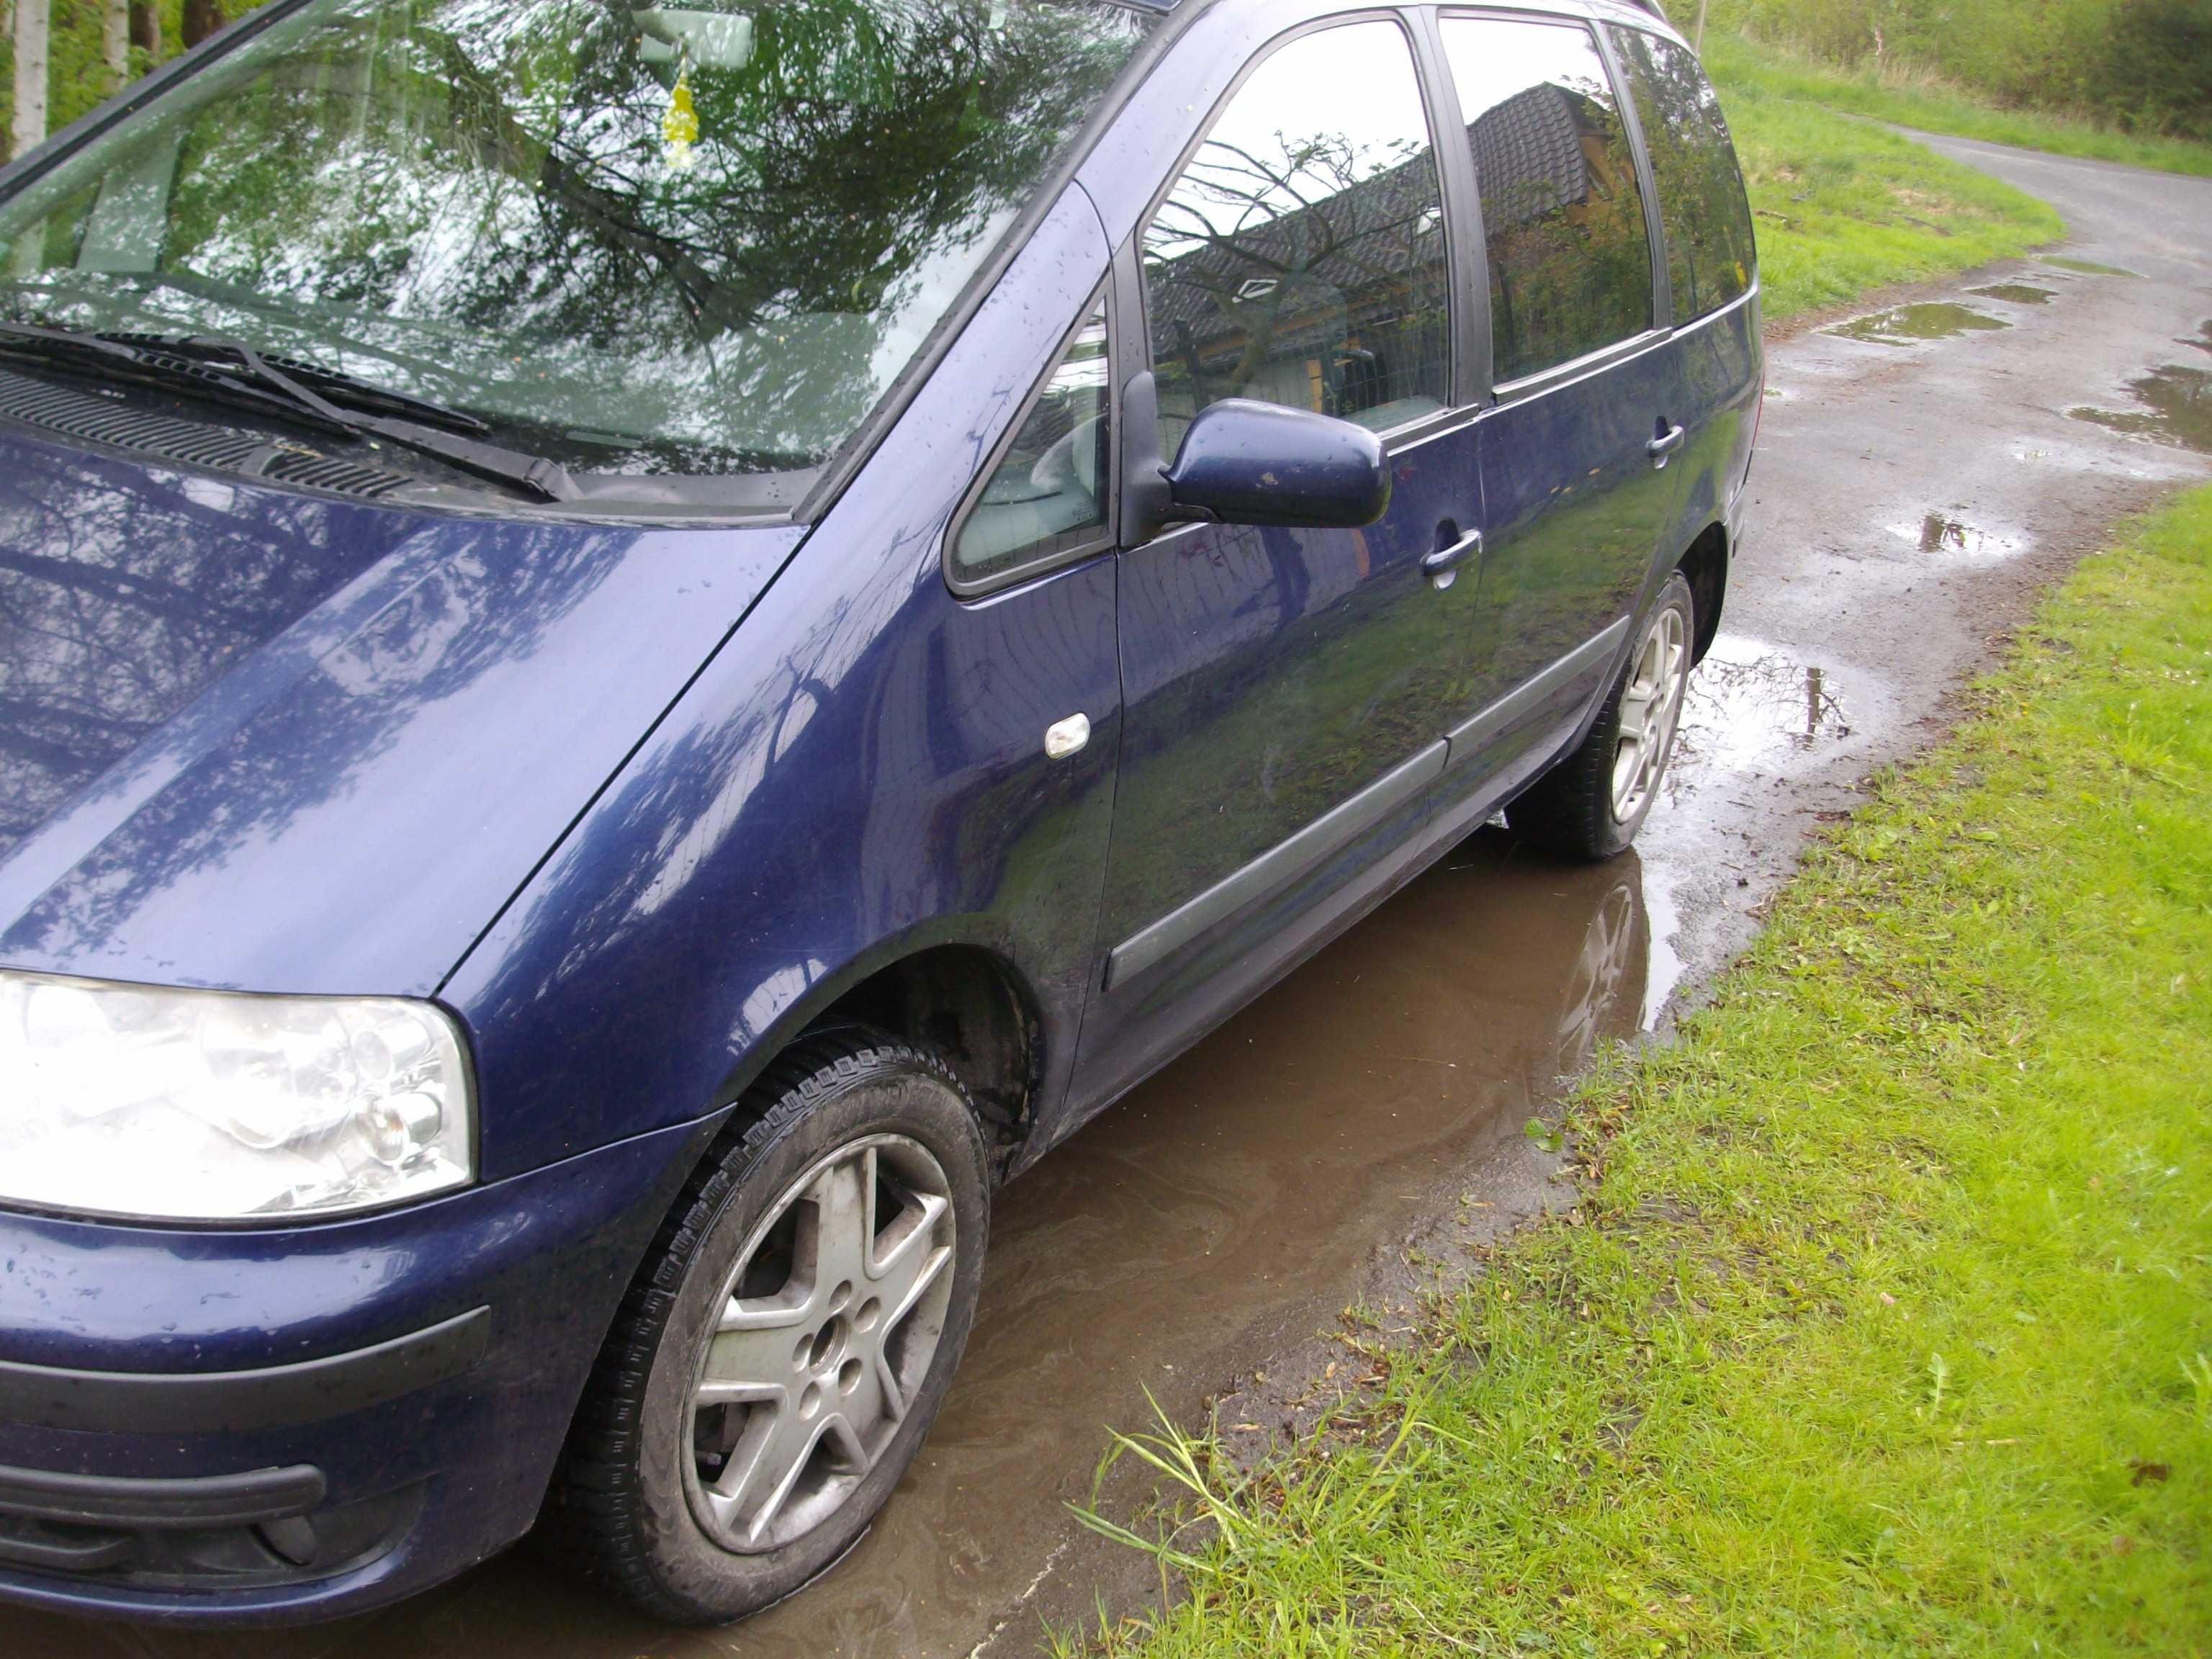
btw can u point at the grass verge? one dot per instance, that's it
(1934, 106)
(1846, 207)
(1885, 1325)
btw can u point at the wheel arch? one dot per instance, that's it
(943, 989)
(1705, 564)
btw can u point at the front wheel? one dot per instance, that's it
(1590, 805)
(788, 1341)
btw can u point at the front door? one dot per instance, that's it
(1576, 484)
(1286, 691)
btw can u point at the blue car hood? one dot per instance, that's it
(264, 740)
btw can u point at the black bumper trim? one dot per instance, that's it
(223, 1402)
(217, 1500)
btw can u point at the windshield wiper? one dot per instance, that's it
(347, 390)
(231, 371)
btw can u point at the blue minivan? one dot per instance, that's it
(644, 649)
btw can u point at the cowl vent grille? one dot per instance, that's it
(96, 419)
(294, 466)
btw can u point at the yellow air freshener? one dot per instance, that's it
(679, 128)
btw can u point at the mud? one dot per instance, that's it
(1366, 1122)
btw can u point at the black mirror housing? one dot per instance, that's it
(1245, 462)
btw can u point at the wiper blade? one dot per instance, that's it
(347, 390)
(74, 349)
(547, 479)
(233, 372)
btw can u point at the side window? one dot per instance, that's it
(1300, 257)
(1570, 259)
(1709, 252)
(1049, 492)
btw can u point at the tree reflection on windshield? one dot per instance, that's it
(650, 240)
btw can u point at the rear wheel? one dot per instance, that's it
(788, 1341)
(1590, 805)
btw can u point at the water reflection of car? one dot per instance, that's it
(613, 714)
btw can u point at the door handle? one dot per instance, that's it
(1441, 566)
(1664, 445)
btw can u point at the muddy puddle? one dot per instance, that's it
(2018, 294)
(1946, 533)
(2175, 407)
(1940, 319)
(2086, 267)
(1753, 709)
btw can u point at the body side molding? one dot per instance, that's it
(1474, 733)
(1279, 865)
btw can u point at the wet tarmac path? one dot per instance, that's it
(1915, 485)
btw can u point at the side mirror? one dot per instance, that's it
(1243, 462)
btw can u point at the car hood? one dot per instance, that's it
(262, 740)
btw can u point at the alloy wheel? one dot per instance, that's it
(828, 1325)
(1651, 705)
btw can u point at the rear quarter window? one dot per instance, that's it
(1711, 254)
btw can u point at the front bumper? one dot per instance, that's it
(269, 1426)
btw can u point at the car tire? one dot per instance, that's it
(1590, 804)
(787, 1343)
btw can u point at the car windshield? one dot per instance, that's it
(635, 240)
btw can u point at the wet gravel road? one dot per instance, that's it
(1918, 479)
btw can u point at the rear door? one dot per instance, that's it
(1286, 690)
(1575, 454)
(1711, 269)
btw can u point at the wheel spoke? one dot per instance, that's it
(766, 1464)
(1626, 763)
(844, 1200)
(908, 1256)
(910, 1259)
(748, 1362)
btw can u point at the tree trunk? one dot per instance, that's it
(31, 41)
(202, 18)
(115, 43)
(146, 29)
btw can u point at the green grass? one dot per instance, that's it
(1928, 104)
(1885, 1325)
(1846, 207)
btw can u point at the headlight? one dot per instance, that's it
(206, 1105)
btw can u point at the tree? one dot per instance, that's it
(202, 18)
(146, 30)
(32, 26)
(115, 43)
